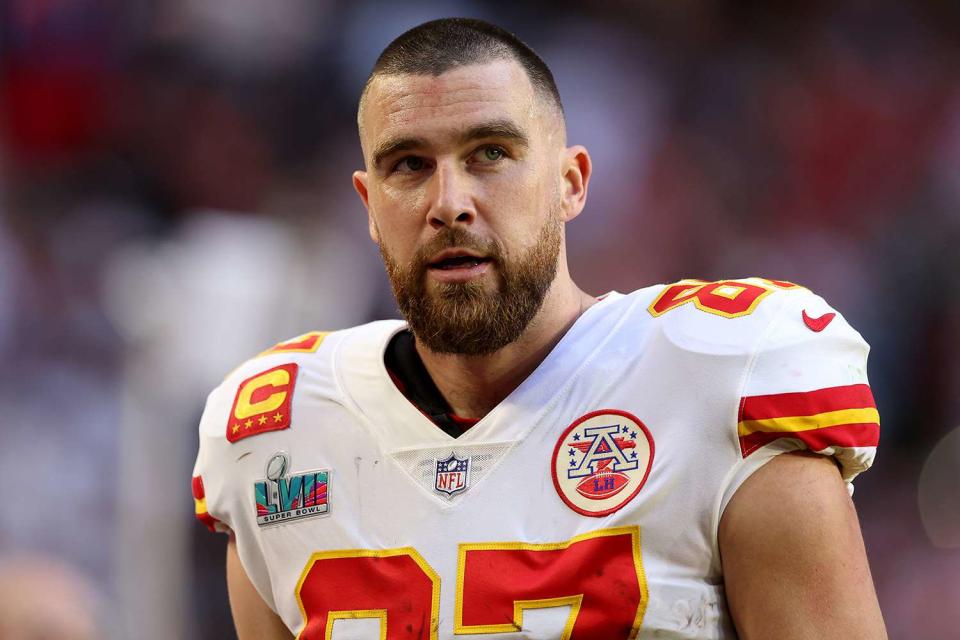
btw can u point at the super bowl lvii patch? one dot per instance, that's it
(286, 498)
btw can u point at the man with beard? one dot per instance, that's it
(521, 459)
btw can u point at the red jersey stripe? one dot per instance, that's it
(196, 485)
(200, 504)
(208, 520)
(806, 403)
(464, 423)
(843, 435)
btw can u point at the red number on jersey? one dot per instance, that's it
(397, 586)
(600, 575)
(727, 298)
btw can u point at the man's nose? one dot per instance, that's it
(451, 197)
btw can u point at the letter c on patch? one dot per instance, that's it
(262, 394)
(263, 403)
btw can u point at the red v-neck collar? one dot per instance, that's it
(411, 377)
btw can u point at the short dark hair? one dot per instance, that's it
(435, 47)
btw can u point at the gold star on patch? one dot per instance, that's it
(236, 427)
(248, 423)
(278, 417)
(262, 420)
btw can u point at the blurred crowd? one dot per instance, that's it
(175, 196)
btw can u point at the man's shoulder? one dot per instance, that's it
(302, 364)
(798, 368)
(315, 350)
(734, 315)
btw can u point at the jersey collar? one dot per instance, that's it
(398, 424)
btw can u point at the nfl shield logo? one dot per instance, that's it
(452, 475)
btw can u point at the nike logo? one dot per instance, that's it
(818, 324)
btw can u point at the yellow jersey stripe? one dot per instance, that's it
(805, 423)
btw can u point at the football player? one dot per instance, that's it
(520, 459)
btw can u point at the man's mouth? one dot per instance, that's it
(460, 262)
(456, 259)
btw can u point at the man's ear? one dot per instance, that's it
(360, 185)
(577, 168)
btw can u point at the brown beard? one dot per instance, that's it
(464, 318)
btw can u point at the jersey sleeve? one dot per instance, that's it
(255, 398)
(207, 481)
(806, 388)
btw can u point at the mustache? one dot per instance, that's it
(459, 238)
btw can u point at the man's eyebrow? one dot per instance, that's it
(503, 129)
(393, 145)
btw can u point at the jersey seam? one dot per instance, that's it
(560, 393)
(348, 402)
(586, 362)
(745, 377)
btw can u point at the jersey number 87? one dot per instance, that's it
(599, 575)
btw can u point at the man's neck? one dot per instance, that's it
(474, 385)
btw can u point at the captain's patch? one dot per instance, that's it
(602, 461)
(263, 403)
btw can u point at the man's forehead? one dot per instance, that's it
(504, 76)
(499, 88)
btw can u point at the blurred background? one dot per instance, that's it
(175, 197)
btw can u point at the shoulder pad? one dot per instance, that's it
(733, 298)
(725, 316)
(257, 396)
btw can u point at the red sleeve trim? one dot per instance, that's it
(200, 504)
(807, 403)
(844, 435)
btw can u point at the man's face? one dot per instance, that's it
(464, 189)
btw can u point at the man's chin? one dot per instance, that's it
(460, 319)
(462, 291)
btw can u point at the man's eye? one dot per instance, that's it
(488, 154)
(410, 163)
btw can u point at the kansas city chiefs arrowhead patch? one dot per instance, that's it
(602, 461)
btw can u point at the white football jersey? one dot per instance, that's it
(584, 506)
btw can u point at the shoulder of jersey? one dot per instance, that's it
(257, 396)
(730, 316)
